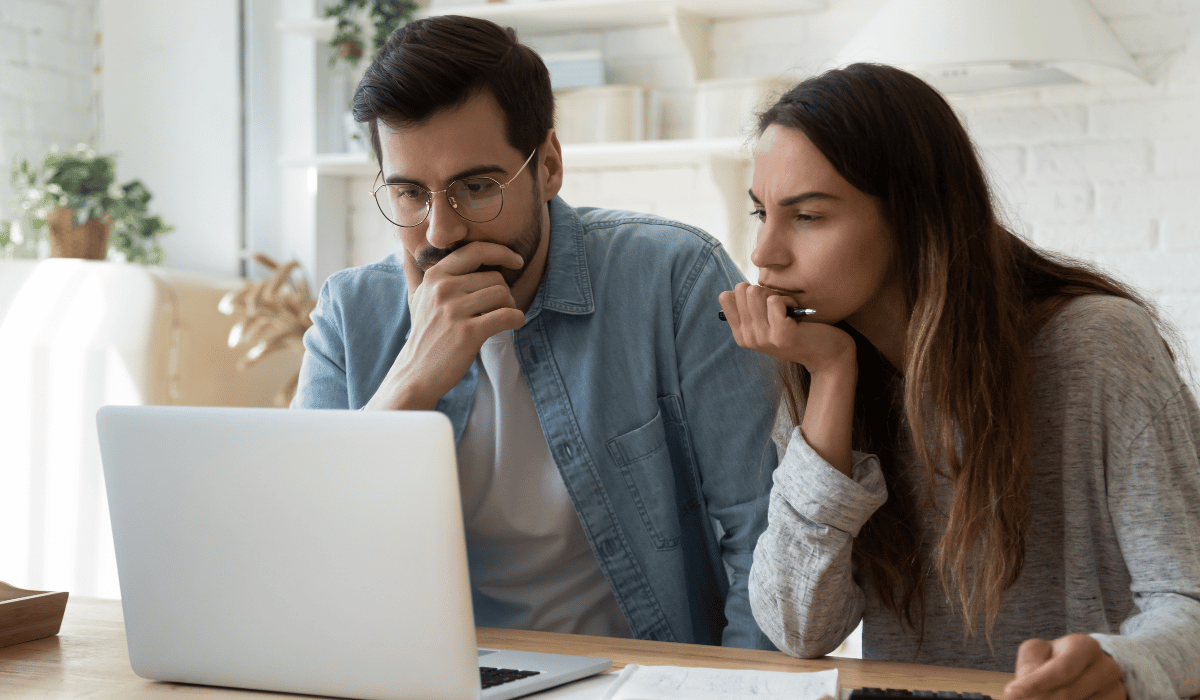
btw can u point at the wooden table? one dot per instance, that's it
(88, 659)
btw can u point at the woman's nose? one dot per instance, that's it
(769, 250)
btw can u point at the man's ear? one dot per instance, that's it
(550, 167)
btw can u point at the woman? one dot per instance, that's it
(994, 447)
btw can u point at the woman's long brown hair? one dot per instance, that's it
(976, 294)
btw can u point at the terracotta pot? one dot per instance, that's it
(89, 241)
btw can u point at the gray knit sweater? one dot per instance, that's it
(1114, 544)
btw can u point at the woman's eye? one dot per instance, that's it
(758, 214)
(806, 218)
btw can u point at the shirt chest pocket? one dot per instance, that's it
(644, 460)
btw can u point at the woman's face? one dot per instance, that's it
(822, 242)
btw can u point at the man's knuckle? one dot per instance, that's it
(441, 292)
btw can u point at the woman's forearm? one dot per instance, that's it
(829, 413)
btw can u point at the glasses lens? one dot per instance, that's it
(403, 204)
(477, 199)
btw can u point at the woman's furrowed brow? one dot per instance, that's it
(805, 197)
(796, 198)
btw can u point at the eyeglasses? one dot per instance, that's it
(476, 199)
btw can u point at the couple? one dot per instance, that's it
(614, 435)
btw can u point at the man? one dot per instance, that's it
(613, 441)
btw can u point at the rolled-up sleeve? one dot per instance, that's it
(322, 382)
(802, 590)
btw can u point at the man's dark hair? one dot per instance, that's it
(441, 62)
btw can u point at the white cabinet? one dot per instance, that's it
(318, 181)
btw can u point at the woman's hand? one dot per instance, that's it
(759, 321)
(1073, 667)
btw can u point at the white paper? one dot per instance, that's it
(656, 682)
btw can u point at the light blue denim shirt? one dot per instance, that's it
(659, 423)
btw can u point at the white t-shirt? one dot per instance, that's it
(530, 559)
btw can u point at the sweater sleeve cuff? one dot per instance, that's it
(824, 495)
(1144, 677)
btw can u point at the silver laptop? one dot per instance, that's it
(303, 551)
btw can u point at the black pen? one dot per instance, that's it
(792, 311)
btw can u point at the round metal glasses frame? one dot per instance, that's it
(465, 193)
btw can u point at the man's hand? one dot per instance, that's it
(1073, 667)
(454, 310)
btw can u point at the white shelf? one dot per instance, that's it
(551, 16)
(319, 28)
(653, 154)
(690, 20)
(336, 164)
(629, 154)
(575, 15)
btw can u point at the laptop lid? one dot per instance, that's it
(304, 551)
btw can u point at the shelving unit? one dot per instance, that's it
(626, 154)
(690, 20)
(568, 15)
(316, 182)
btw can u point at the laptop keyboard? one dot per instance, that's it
(489, 676)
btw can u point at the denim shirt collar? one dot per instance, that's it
(566, 284)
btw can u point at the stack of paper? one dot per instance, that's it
(657, 682)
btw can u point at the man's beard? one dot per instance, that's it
(526, 246)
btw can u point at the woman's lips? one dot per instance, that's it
(793, 293)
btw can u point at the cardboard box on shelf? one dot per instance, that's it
(729, 107)
(575, 69)
(602, 114)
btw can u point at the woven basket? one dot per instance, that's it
(89, 241)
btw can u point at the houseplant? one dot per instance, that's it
(6, 237)
(385, 16)
(74, 197)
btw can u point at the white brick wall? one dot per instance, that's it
(48, 85)
(1113, 176)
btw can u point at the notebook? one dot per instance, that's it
(304, 551)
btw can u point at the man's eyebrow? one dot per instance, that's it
(797, 198)
(469, 172)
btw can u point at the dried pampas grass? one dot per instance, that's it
(274, 317)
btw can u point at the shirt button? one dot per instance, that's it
(567, 451)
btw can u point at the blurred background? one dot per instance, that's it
(233, 115)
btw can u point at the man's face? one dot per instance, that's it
(468, 141)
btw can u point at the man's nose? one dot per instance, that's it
(445, 226)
